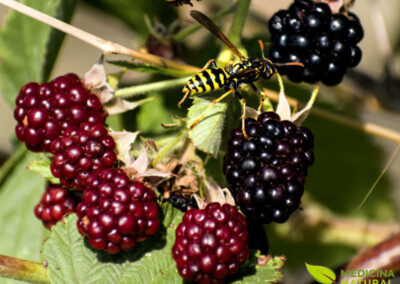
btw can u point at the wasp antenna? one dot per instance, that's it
(289, 64)
(261, 47)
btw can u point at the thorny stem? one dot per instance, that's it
(108, 47)
(133, 91)
(24, 270)
(367, 127)
(194, 28)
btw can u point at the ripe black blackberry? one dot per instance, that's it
(211, 243)
(116, 213)
(80, 153)
(267, 172)
(55, 203)
(45, 112)
(181, 202)
(325, 43)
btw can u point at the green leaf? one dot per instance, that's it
(29, 48)
(147, 122)
(321, 274)
(260, 269)
(42, 167)
(70, 260)
(148, 68)
(207, 135)
(21, 232)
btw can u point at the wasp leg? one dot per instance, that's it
(183, 99)
(215, 101)
(262, 94)
(243, 117)
(210, 63)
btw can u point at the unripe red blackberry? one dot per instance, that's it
(116, 213)
(267, 173)
(211, 243)
(78, 154)
(45, 112)
(325, 43)
(56, 202)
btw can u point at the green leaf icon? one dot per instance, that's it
(321, 274)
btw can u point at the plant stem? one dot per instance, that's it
(235, 33)
(130, 92)
(194, 28)
(367, 127)
(25, 270)
(107, 47)
(168, 148)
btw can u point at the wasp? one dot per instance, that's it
(247, 71)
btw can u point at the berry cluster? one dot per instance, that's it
(325, 43)
(211, 243)
(116, 213)
(81, 153)
(267, 172)
(50, 110)
(63, 118)
(56, 202)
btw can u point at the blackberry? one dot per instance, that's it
(266, 173)
(325, 43)
(116, 213)
(78, 154)
(211, 243)
(182, 202)
(56, 202)
(45, 112)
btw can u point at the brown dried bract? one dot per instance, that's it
(183, 180)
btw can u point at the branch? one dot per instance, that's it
(316, 223)
(130, 92)
(25, 270)
(367, 127)
(107, 47)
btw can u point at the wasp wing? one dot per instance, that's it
(212, 27)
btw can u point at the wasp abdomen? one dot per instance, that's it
(207, 80)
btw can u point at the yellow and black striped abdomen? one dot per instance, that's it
(207, 80)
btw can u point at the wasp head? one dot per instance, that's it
(268, 68)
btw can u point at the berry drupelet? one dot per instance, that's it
(56, 202)
(211, 243)
(79, 154)
(116, 213)
(325, 43)
(267, 172)
(47, 111)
